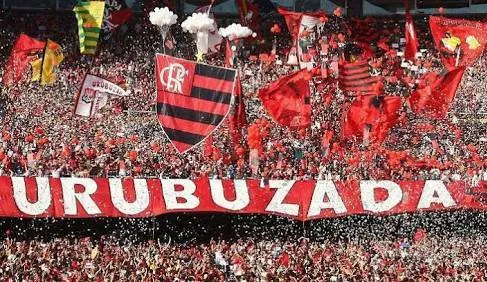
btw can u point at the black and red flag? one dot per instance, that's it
(287, 100)
(193, 99)
(434, 97)
(356, 77)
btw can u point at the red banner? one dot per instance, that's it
(460, 41)
(302, 200)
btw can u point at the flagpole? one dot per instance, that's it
(209, 9)
(42, 63)
(458, 56)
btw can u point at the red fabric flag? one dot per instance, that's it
(19, 58)
(284, 259)
(434, 98)
(293, 20)
(237, 119)
(460, 41)
(356, 77)
(411, 39)
(377, 114)
(287, 100)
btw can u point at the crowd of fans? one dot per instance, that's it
(448, 247)
(41, 136)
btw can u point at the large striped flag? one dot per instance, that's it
(90, 18)
(193, 99)
(356, 77)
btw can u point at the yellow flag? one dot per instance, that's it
(89, 15)
(36, 69)
(53, 56)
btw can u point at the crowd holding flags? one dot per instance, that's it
(193, 99)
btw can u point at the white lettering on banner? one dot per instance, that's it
(70, 196)
(276, 204)
(435, 191)
(171, 195)
(328, 189)
(367, 188)
(142, 197)
(241, 195)
(43, 196)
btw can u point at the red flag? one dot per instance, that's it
(434, 98)
(356, 77)
(373, 114)
(284, 259)
(287, 100)
(411, 39)
(237, 119)
(192, 99)
(19, 58)
(293, 20)
(460, 41)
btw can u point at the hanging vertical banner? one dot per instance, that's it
(90, 18)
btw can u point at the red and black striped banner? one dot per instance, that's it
(356, 77)
(192, 99)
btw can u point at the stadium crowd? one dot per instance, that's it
(41, 136)
(448, 247)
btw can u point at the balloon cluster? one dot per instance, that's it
(235, 31)
(162, 17)
(198, 22)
